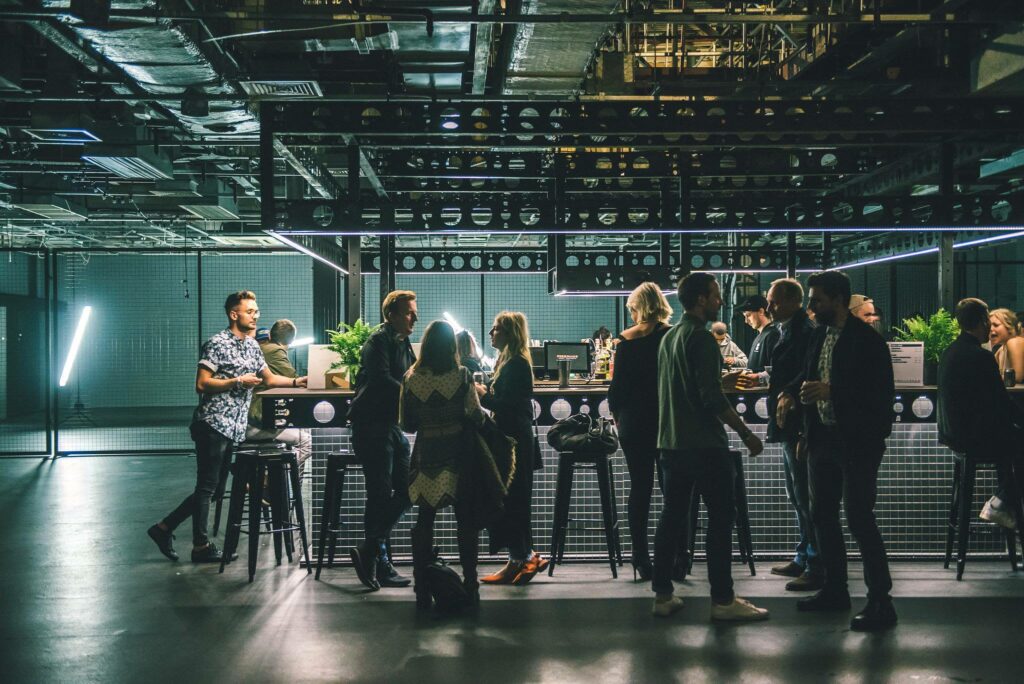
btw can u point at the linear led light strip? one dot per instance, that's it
(639, 231)
(933, 250)
(76, 342)
(305, 250)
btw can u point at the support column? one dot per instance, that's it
(266, 168)
(387, 265)
(353, 249)
(947, 291)
(354, 280)
(791, 255)
(947, 286)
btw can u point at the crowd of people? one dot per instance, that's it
(829, 381)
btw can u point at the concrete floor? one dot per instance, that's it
(86, 597)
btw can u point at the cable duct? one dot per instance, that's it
(163, 60)
(551, 58)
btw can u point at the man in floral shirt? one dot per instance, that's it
(230, 366)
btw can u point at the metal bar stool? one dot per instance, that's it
(223, 493)
(961, 507)
(744, 539)
(338, 465)
(280, 467)
(568, 463)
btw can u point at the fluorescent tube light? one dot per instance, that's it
(76, 342)
(301, 342)
(305, 250)
(451, 319)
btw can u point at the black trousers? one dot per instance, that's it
(711, 470)
(384, 453)
(213, 458)
(841, 471)
(642, 463)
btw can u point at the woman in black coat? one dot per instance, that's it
(510, 397)
(633, 401)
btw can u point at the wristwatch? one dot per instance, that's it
(295, 382)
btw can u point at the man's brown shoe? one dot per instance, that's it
(789, 569)
(806, 582)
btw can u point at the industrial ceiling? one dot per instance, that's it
(493, 125)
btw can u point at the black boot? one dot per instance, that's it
(876, 616)
(422, 551)
(364, 559)
(469, 540)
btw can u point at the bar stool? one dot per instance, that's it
(338, 465)
(280, 467)
(961, 507)
(222, 492)
(568, 463)
(743, 537)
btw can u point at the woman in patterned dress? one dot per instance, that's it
(438, 398)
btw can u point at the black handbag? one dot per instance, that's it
(582, 433)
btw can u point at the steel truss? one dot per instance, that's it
(617, 122)
(491, 213)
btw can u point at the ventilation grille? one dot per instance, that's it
(282, 88)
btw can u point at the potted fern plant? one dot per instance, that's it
(937, 333)
(347, 342)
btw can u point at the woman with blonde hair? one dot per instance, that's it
(510, 397)
(437, 400)
(633, 401)
(1007, 344)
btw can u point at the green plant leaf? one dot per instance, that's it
(347, 341)
(937, 333)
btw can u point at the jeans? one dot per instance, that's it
(384, 453)
(712, 471)
(847, 472)
(213, 458)
(798, 491)
(641, 459)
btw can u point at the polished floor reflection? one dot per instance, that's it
(86, 597)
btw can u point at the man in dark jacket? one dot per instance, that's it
(786, 302)
(757, 315)
(975, 413)
(378, 441)
(847, 390)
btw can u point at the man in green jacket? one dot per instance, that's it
(274, 346)
(693, 412)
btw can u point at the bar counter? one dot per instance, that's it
(913, 492)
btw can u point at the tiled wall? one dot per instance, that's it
(912, 508)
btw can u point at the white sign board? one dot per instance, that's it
(908, 362)
(320, 359)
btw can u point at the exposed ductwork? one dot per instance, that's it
(552, 58)
(162, 60)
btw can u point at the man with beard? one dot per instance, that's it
(847, 390)
(230, 366)
(695, 450)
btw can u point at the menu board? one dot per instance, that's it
(908, 362)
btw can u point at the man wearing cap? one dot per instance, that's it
(755, 314)
(274, 343)
(863, 307)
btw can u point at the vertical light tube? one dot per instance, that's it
(76, 342)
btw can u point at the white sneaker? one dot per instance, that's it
(666, 608)
(1003, 518)
(740, 610)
